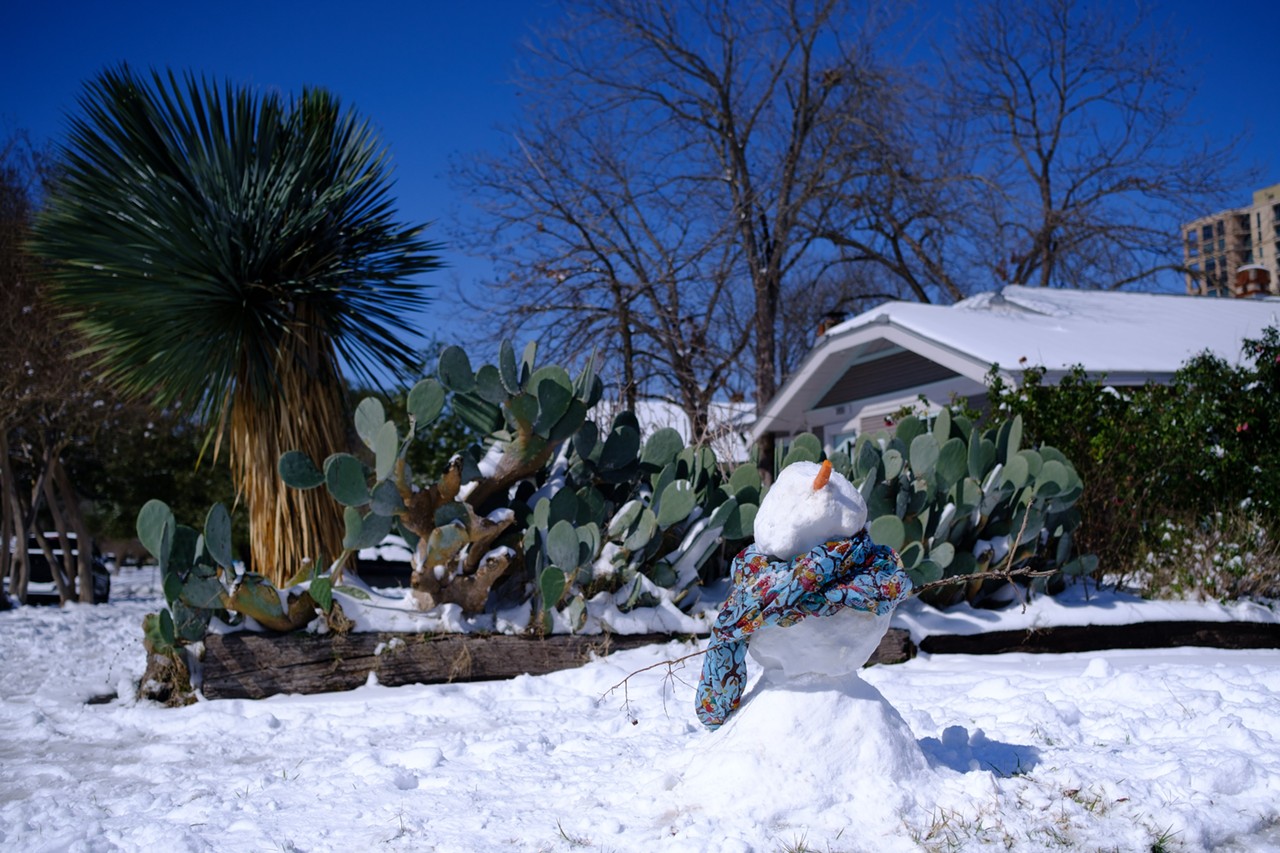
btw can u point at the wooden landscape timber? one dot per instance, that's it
(248, 665)
(1092, 638)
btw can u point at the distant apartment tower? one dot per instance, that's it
(1235, 252)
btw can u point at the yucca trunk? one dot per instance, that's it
(288, 527)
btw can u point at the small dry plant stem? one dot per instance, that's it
(671, 673)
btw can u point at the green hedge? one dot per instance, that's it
(1203, 444)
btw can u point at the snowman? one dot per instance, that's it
(811, 599)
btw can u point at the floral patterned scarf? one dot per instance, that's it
(853, 572)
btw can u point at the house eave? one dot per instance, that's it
(823, 367)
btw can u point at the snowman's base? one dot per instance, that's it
(834, 745)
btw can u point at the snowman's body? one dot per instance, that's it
(832, 647)
(810, 599)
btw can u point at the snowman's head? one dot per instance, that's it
(808, 504)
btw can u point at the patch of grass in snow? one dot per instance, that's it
(1089, 800)
(574, 840)
(1163, 841)
(403, 831)
(982, 826)
(1045, 737)
(799, 845)
(1018, 769)
(949, 829)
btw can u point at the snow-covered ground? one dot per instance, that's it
(1167, 750)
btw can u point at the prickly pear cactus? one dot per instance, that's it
(639, 520)
(561, 506)
(955, 500)
(528, 412)
(199, 582)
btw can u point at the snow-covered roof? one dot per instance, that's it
(1129, 337)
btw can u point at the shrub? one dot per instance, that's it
(1225, 555)
(1204, 443)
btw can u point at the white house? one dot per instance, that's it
(728, 424)
(874, 364)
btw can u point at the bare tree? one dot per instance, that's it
(1080, 112)
(908, 233)
(671, 185)
(623, 265)
(49, 397)
(696, 184)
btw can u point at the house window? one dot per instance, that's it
(1220, 227)
(1207, 232)
(843, 442)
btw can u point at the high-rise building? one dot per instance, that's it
(1235, 252)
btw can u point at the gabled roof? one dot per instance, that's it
(1129, 337)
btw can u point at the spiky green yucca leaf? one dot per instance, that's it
(197, 225)
(224, 251)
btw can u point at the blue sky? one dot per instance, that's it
(433, 76)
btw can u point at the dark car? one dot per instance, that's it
(387, 565)
(41, 588)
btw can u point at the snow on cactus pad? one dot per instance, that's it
(794, 516)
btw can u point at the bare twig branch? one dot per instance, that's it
(1024, 572)
(671, 673)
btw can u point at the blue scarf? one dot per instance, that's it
(841, 573)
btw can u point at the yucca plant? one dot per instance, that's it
(228, 252)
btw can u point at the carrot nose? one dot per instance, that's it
(824, 474)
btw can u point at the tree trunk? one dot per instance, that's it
(622, 310)
(56, 570)
(289, 527)
(24, 521)
(765, 449)
(75, 524)
(15, 532)
(7, 532)
(63, 571)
